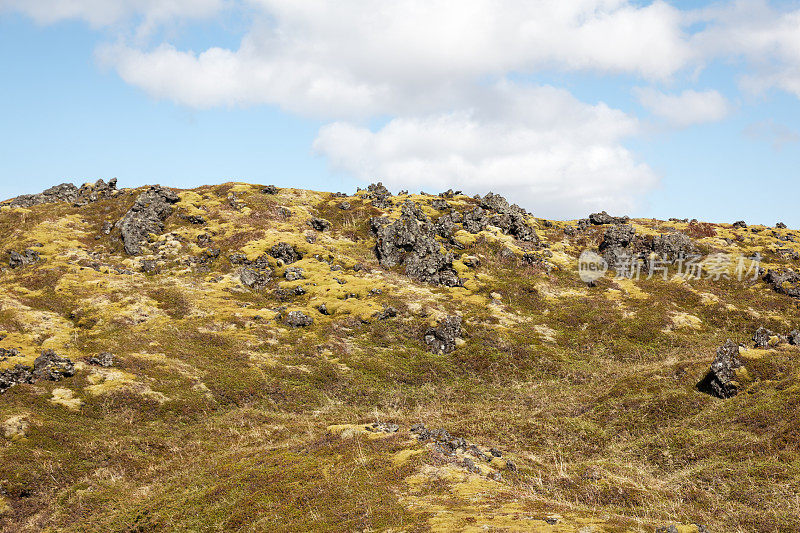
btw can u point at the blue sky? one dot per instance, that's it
(685, 109)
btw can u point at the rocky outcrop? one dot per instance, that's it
(449, 445)
(319, 224)
(254, 278)
(510, 218)
(672, 246)
(784, 281)
(146, 217)
(442, 338)
(298, 319)
(412, 243)
(720, 381)
(615, 242)
(15, 376)
(26, 258)
(104, 360)
(599, 219)
(67, 192)
(379, 195)
(283, 251)
(765, 338)
(52, 367)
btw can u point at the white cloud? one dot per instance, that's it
(100, 13)
(767, 39)
(684, 109)
(539, 146)
(354, 57)
(778, 135)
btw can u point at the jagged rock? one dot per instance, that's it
(720, 381)
(92, 192)
(445, 226)
(739, 224)
(379, 195)
(615, 242)
(147, 216)
(442, 338)
(319, 224)
(52, 367)
(383, 427)
(388, 312)
(26, 258)
(285, 252)
(780, 225)
(413, 243)
(440, 205)
(255, 279)
(598, 219)
(764, 338)
(344, 206)
(569, 230)
(14, 376)
(297, 319)
(270, 189)
(784, 281)
(293, 274)
(671, 246)
(104, 359)
(475, 221)
(794, 337)
(67, 192)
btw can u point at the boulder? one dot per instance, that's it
(379, 195)
(17, 260)
(475, 221)
(720, 380)
(293, 274)
(104, 359)
(52, 367)
(412, 243)
(765, 338)
(671, 246)
(146, 217)
(739, 224)
(254, 278)
(784, 281)
(599, 219)
(442, 338)
(14, 376)
(270, 189)
(285, 252)
(319, 224)
(297, 319)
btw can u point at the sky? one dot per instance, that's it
(683, 109)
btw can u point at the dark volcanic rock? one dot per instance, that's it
(147, 216)
(28, 257)
(319, 224)
(297, 319)
(52, 367)
(740, 224)
(285, 252)
(784, 281)
(763, 338)
(475, 221)
(379, 195)
(104, 359)
(442, 338)
(720, 381)
(780, 225)
(671, 246)
(412, 243)
(615, 242)
(293, 274)
(67, 192)
(14, 376)
(256, 279)
(601, 218)
(270, 189)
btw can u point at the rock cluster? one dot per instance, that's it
(447, 444)
(412, 242)
(104, 360)
(254, 278)
(599, 219)
(784, 281)
(283, 251)
(67, 192)
(379, 195)
(720, 381)
(27, 257)
(621, 240)
(48, 366)
(298, 319)
(147, 216)
(319, 224)
(442, 338)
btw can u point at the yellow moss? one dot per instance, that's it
(403, 456)
(348, 431)
(16, 427)
(66, 398)
(685, 320)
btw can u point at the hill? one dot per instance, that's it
(250, 358)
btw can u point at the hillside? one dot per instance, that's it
(251, 358)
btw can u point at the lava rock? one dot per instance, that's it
(297, 319)
(784, 281)
(319, 224)
(599, 219)
(255, 279)
(285, 252)
(720, 381)
(671, 246)
(104, 359)
(763, 338)
(52, 367)
(739, 224)
(147, 216)
(379, 194)
(388, 312)
(475, 221)
(442, 338)
(293, 274)
(270, 189)
(780, 225)
(344, 206)
(26, 258)
(67, 192)
(413, 243)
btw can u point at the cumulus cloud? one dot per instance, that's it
(684, 109)
(356, 57)
(539, 146)
(768, 40)
(105, 12)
